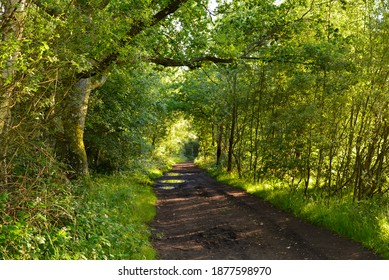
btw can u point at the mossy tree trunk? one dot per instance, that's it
(73, 120)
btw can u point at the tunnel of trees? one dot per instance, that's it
(295, 90)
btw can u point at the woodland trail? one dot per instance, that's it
(199, 218)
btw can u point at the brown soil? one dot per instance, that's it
(199, 218)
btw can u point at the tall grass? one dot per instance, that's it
(113, 217)
(364, 221)
(102, 217)
(114, 212)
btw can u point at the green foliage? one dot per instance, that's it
(191, 149)
(304, 108)
(100, 218)
(36, 218)
(180, 142)
(113, 211)
(112, 217)
(182, 36)
(303, 101)
(125, 118)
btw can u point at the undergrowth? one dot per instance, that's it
(365, 221)
(102, 217)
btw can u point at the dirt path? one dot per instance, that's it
(199, 218)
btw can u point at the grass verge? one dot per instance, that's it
(102, 217)
(112, 219)
(114, 213)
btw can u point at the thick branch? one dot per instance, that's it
(193, 63)
(103, 64)
(197, 62)
(170, 9)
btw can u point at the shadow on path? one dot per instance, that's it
(199, 218)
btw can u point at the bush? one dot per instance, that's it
(105, 217)
(37, 208)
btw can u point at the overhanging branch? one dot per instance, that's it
(192, 63)
(136, 29)
(197, 62)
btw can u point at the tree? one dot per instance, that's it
(85, 51)
(126, 117)
(12, 26)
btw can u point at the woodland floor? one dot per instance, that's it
(199, 218)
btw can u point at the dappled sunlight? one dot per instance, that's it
(172, 181)
(186, 165)
(237, 194)
(383, 224)
(173, 174)
(225, 222)
(176, 199)
(167, 187)
(193, 208)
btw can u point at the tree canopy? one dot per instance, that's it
(292, 89)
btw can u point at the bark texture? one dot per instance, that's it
(73, 120)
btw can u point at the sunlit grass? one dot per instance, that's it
(115, 211)
(121, 207)
(168, 187)
(103, 217)
(364, 222)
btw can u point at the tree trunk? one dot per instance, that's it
(219, 145)
(12, 26)
(73, 120)
(233, 124)
(231, 140)
(12, 19)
